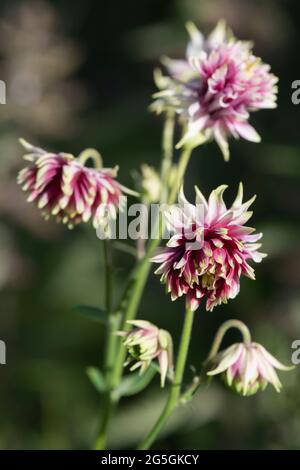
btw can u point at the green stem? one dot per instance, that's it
(173, 399)
(183, 162)
(108, 275)
(223, 330)
(92, 154)
(108, 401)
(132, 299)
(167, 145)
(111, 342)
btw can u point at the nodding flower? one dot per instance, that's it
(64, 187)
(247, 368)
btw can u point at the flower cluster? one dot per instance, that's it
(212, 92)
(247, 368)
(146, 343)
(62, 186)
(209, 250)
(215, 88)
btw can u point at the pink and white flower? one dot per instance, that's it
(214, 89)
(146, 343)
(62, 186)
(247, 368)
(209, 250)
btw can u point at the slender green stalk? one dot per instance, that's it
(108, 402)
(174, 395)
(167, 145)
(244, 330)
(132, 299)
(108, 275)
(183, 162)
(111, 341)
(92, 154)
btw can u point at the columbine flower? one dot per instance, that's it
(146, 343)
(247, 368)
(214, 89)
(209, 250)
(62, 186)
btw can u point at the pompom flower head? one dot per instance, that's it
(209, 250)
(62, 186)
(146, 343)
(247, 368)
(215, 87)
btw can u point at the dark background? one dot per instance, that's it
(79, 74)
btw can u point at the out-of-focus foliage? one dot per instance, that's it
(53, 55)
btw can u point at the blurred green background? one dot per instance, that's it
(79, 74)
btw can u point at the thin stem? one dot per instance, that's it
(189, 392)
(173, 399)
(108, 402)
(183, 162)
(110, 346)
(132, 299)
(93, 154)
(167, 145)
(108, 275)
(223, 330)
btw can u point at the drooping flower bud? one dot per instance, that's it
(62, 186)
(146, 343)
(247, 368)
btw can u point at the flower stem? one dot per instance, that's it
(183, 162)
(173, 399)
(223, 330)
(132, 299)
(92, 154)
(167, 145)
(108, 275)
(110, 346)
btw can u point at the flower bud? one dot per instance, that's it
(146, 343)
(62, 186)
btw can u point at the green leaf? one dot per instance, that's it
(134, 383)
(93, 313)
(96, 377)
